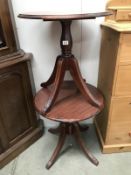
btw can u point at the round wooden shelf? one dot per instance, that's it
(70, 105)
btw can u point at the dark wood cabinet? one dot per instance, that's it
(8, 38)
(19, 125)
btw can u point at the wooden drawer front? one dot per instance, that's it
(123, 81)
(125, 48)
(120, 121)
(123, 15)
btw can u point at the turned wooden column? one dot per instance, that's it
(66, 39)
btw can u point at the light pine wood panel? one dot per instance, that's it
(123, 15)
(120, 121)
(123, 81)
(121, 110)
(113, 16)
(125, 47)
(111, 148)
(119, 3)
(109, 44)
(119, 133)
(108, 60)
(114, 124)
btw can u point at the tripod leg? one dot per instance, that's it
(58, 148)
(83, 127)
(60, 72)
(82, 145)
(76, 74)
(53, 75)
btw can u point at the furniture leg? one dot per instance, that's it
(76, 74)
(55, 130)
(59, 146)
(82, 145)
(53, 75)
(83, 127)
(58, 81)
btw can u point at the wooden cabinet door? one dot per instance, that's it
(120, 121)
(17, 114)
(123, 81)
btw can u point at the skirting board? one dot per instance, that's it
(114, 148)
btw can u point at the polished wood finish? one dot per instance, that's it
(53, 17)
(62, 65)
(69, 108)
(67, 102)
(70, 105)
(113, 125)
(66, 61)
(56, 130)
(70, 129)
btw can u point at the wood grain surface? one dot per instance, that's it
(56, 17)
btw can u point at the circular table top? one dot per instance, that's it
(70, 105)
(60, 16)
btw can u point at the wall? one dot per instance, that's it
(42, 38)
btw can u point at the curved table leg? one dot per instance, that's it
(83, 127)
(76, 74)
(61, 67)
(53, 75)
(58, 148)
(55, 130)
(82, 145)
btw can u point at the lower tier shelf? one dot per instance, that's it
(70, 105)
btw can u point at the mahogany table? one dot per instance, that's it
(72, 101)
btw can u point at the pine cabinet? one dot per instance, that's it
(114, 123)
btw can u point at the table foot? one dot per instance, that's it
(58, 148)
(82, 145)
(70, 129)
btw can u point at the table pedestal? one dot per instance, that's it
(74, 129)
(69, 109)
(65, 102)
(67, 62)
